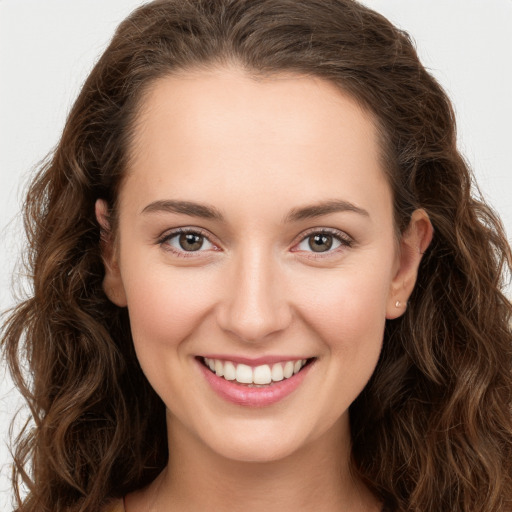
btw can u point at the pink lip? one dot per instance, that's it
(253, 397)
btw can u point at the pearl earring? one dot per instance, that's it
(397, 304)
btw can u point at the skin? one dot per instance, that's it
(256, 151)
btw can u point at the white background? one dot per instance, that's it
(47, 47)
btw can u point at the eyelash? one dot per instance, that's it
(163, 241)
(344, 240)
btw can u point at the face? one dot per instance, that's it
(256, 237)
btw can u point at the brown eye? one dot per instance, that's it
(182, 242)
(323, 242)
(191, 241)
(320, 242)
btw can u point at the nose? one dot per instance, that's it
(254, 304)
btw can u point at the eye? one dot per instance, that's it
(186, 241)
(323, 242)
(320, 242)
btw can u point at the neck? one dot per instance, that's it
(316, 477)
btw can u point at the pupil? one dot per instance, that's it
(320, 242)
(191, 241)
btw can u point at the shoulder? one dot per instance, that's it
(114, 506)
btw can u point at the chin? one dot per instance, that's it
(254, 452)
(256, 446)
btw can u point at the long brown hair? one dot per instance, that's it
(432, 431)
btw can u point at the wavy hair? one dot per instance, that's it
(432, 430)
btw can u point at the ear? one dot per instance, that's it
(413, 243)
(112, 282)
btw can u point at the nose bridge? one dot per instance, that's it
(255, 303)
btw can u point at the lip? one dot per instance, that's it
(243, 395)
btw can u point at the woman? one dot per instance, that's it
(260, 279)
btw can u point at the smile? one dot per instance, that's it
(259, 375)
(256, 385)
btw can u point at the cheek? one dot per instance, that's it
(347, 309)
(166, 305)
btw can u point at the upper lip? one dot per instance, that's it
(254, 361)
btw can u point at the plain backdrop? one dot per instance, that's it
(47, 48)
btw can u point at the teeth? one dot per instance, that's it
(262, 374)
(277, 372)
(259, 375)
(229, 371)
(288, 369)
(219, 368)
(244, 374)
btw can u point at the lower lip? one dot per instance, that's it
(254, 397)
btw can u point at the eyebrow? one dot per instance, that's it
(296, 214)
(186, 208)
(323, 208)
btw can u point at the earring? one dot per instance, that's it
(397, 304)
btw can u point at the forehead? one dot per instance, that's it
(218, 102)
(205, 131)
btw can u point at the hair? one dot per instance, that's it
(432, 430)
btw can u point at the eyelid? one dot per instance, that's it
(168, 235)
(345, 240)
